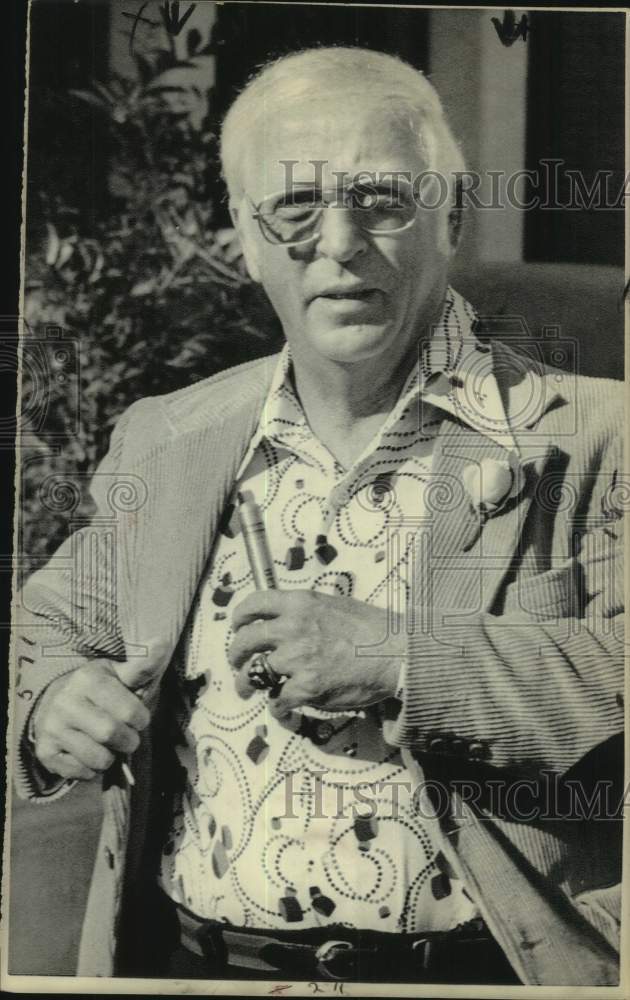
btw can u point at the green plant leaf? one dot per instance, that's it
(93, 99)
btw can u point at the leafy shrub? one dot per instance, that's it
(149, 289)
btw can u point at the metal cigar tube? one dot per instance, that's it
(261, 673)
(256, 545)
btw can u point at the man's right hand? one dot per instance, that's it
(83, 719)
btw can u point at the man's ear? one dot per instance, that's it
(243, 224)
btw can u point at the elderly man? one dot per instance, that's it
(320, 780)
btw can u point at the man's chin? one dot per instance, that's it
(350, 344)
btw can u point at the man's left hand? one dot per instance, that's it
(336, 653)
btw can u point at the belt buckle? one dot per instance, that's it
(327, 953)
(209, 941)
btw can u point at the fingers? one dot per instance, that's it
(106, 692)
(73, 754)
(109, 730)
(87, 751)
(261, 604)
(85, 718)
(254, 638)
(63, 764)
(143, 669)
(284, 699)
(243, 685)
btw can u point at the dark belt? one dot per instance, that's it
(467, 954)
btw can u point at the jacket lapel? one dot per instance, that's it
(188, 481)
(460, 562)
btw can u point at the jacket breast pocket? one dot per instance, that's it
(556, 593)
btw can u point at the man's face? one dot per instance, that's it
(394, 281)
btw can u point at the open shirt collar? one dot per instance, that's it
(453, 374)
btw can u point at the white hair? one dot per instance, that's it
(385, 80)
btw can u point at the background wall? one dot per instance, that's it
(483, 86)
(577, 113)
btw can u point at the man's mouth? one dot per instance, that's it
(354, 294)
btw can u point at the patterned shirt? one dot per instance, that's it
(316, 822)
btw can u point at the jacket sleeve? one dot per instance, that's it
(66, 614)
(538, 686)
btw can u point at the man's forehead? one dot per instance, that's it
(305, 144)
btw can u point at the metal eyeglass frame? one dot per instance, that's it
(260, 219)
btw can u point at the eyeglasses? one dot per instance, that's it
(293, 217)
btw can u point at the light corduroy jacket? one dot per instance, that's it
(515, 664)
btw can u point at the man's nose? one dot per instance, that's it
(340, 235)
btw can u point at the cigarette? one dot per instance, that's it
(126, 770)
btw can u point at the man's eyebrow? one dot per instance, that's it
(302, 185)
(389, 186)
(298, 187)
(307, 189)
(384, 185)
